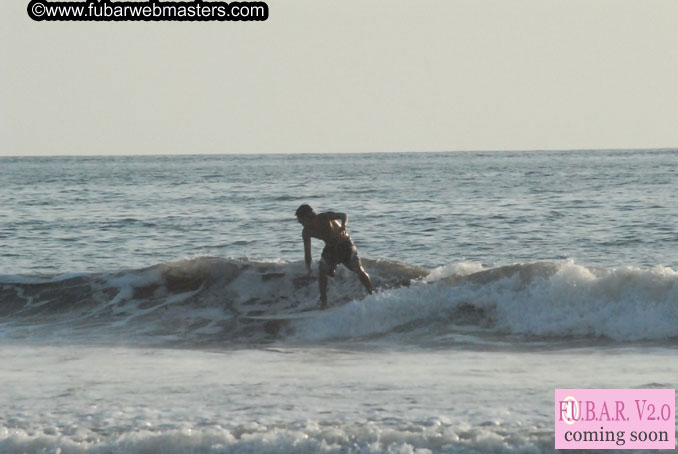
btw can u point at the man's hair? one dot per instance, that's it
(304, 210)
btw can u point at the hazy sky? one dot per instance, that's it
(346, 76)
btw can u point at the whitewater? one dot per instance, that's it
(128, 287)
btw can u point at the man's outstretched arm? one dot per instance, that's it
(307, 250)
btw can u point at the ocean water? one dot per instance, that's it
(127, 283)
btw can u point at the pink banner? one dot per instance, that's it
(615, 418)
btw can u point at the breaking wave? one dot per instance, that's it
(207, 301)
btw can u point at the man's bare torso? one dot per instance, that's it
(325, 227)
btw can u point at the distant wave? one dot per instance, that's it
(206, 301)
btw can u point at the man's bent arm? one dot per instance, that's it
(343, 217)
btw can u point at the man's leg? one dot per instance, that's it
(358, 269)
(353, 263)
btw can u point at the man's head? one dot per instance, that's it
(304, 213)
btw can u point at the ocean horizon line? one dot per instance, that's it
(354, 153)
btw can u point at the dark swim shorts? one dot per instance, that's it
(343, 252)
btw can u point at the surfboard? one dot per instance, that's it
(288, 316)
(303, 313)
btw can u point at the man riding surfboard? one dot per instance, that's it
(339, 247)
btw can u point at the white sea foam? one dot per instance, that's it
(453, 269)
(341, 440)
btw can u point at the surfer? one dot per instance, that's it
(339, 247)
